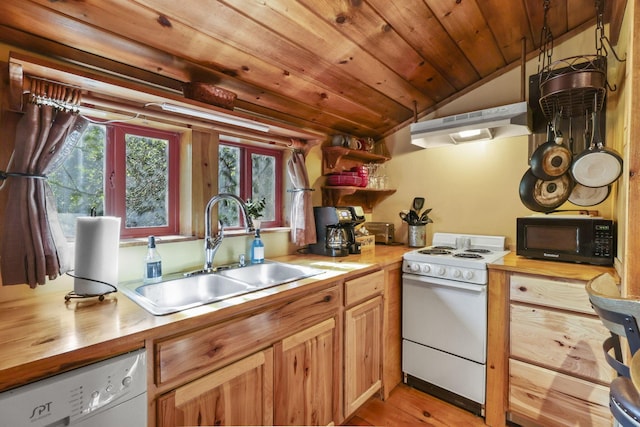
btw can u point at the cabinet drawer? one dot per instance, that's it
(550, 398)
(188, 356)
(364, 287)
(571, 343)
(563, 294)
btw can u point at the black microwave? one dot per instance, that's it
(571, 239)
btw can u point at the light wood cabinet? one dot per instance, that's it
(276, 364)
(305, 376)
(363, 339)
(239, 394)
(362, 353)
(309, 360)
(557, 371)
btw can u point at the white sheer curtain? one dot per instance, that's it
(303, 227)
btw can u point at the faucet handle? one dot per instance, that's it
(241, 260)
(216, 240)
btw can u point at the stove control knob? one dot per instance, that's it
(456, 273)
(414, 267)
(426, 268)
(440, 271)
(468, 274)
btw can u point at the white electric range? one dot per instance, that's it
(444, 316)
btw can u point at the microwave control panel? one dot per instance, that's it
(603, 240)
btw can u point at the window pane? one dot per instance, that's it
(78, 185)
(263, 183)
(229, 182)
(147, 186)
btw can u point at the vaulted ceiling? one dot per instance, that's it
(363, 67)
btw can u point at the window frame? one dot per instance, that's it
(115, 178)
(246, 177)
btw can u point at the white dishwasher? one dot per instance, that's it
(109, 393)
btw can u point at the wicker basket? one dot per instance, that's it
(209, 94)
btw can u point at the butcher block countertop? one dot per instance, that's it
(43, 335)
(517, 264)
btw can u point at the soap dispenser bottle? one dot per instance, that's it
(152, 263)
(257, 249)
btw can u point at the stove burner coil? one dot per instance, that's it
(479, 251)
(434, 251)
(468, 255)
(450, 248)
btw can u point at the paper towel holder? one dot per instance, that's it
(96, 260)
(100, 296)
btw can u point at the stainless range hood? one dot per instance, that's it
(491, 123)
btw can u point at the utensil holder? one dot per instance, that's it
(417, 236)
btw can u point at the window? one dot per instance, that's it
(250, 173)
(120, 170)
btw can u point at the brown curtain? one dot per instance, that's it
(303, 227)
(33, 246)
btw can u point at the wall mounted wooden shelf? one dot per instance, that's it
(338, 159)
(346, 196)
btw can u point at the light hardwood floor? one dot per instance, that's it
(407, 406)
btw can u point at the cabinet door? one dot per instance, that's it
(239, 394)
(562, 341)
(305, 376)
(550, 398)
(362, 353)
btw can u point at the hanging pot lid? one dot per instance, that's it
(588, 196)
(596, 166)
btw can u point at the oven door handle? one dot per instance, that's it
(445, 283)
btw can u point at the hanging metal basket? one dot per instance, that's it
(572, 86)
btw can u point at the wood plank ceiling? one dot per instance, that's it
(362, 67)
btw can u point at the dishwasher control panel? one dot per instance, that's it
(70, 397)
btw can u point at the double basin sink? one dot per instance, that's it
(198, 289)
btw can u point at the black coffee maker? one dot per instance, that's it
(335, 230)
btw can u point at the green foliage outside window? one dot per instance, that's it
(232, 180)
(78, 184)
(147, 165)
(229, 182)
(263, 184)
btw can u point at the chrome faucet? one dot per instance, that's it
(212, 243)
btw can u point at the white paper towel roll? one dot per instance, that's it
(96, 254)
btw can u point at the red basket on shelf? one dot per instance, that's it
(349, 179)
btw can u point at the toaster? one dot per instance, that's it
(383, 231)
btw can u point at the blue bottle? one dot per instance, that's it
(257, 249)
